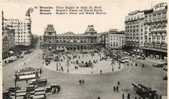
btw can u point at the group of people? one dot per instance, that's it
(116, 87)
(81, 81)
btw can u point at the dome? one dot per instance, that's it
(50, 30)
(90, 30)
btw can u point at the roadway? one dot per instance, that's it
(95, 85)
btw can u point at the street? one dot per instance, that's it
(95, 85)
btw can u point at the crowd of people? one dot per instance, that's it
(82, 62)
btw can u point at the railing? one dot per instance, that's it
(162, 46)
(158, 30)
(68, 43)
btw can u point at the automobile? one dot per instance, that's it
(39, 96)
(27, 52)
(13, 89)
(133, 55)
(158, 65)
(124, 60)
(165, 68)
(39, 82)
(22, 55)
(126, 53)
(10, 59)
(140, 57)
(6, 95)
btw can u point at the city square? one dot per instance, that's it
(95, 84)
(114, 64)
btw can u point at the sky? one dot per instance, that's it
(116, 10)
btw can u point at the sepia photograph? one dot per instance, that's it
(84, 49)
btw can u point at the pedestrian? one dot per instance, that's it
(128, 96)
(118, 83)
(123, 96)
(80, 82)
(117, 88)
(100, 71)
(160, 96)
(143, 66)
(40, 71)
(98, 97)
(61, 68)
(114, 89)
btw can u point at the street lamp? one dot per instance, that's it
(68, 59)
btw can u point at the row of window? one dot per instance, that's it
(68, 41)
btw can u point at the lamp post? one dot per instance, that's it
(67, 63)
(68, 59)
(15, 84)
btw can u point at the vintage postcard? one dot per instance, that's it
(84, 49)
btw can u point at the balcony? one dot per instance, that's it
(155, 20)
(156, 46)
(158, 30)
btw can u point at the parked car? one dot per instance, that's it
(27, 51)
(165, 68)
(39, 82)
(158, 65)
(6, 95)
(10, 59)
(140, 57)
(13, 89)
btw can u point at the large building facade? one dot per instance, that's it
(22, 29)
(146, 31)
(114, 39)
(156, 31)
(69, 41)
(134, 29)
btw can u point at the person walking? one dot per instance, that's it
(118, 83)
(98, 97)
(114, 89)
(117, 88)
(123, 96)
(128, 96)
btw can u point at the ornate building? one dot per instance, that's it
(156, 31)
(69, 41)
(114, 39)
(22, 29)
(147, 31)
(134, 29)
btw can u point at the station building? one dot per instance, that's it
(69, 40)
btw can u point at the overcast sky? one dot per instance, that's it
(114, 19)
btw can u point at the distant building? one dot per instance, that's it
(134, 29)
(7, 42)
(22, 29)
(146, 31)
(156, 31)
(69, 41)
(114, 39)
